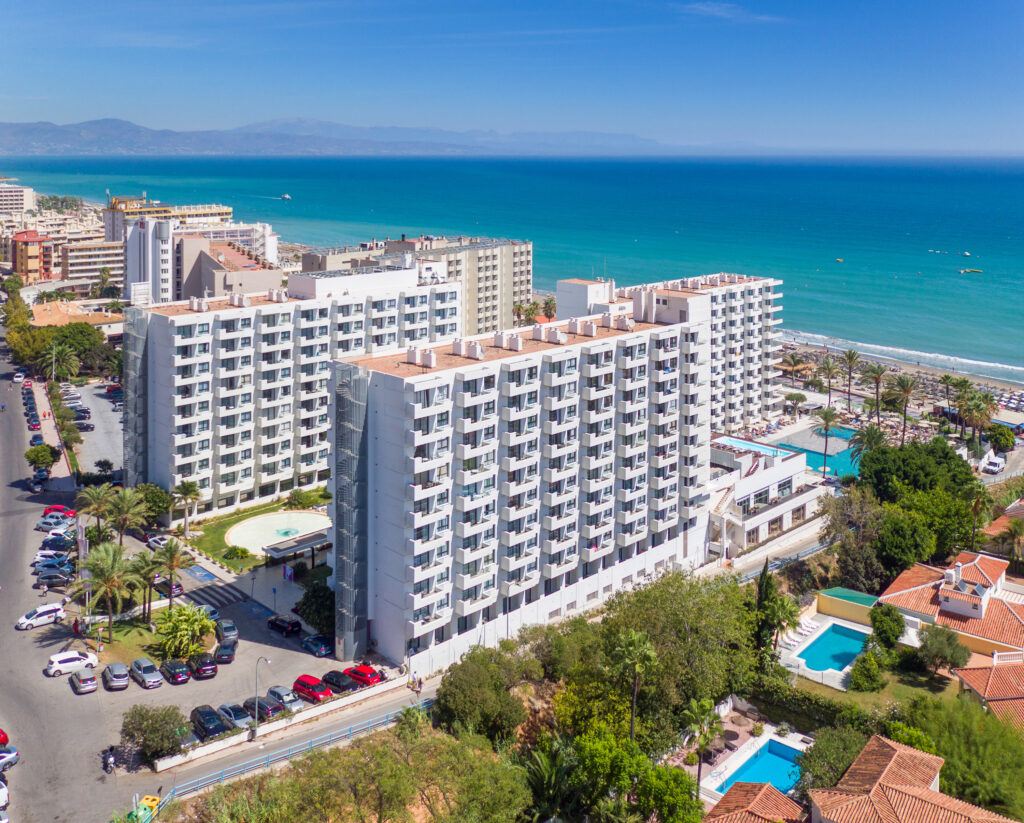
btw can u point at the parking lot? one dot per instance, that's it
(104, 442)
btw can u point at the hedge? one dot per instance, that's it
(807, 711)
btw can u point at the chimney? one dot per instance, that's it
(606, 320)
(574, 326)
(429, 359)
(958, 570)
(412, 355)
(475, 350)
(458, 346)
(590, 329)
(515, 342)
(501, 339)
(538, 332)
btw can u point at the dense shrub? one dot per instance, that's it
(865, 676)
(887, 624)
(809, 710)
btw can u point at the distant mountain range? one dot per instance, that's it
(311, 137)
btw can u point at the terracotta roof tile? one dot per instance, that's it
(1003, 622)
(885, 760)
(755, 803)
(1000, 682)
(1009, 711)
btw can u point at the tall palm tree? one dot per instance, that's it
(875, 372)
(703, 723)
(980, 502)
(793, 362)
(901, 390)
(186, 494)
(635, 655)
(58, 360)
(548, 774)
(172, 559)
(111, 578)
(783, 614)
(851, 359)
(95, 500)
(829, 420)
(146, 568)
(962, 391)
(549, 307)
(518, 310)
(1013, 537)
(829, 370)
(947, 381)
(127, 509)
(530, 311)
(866, 439)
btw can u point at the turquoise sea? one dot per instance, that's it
(645, 220)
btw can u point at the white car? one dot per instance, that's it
(286, 697)
(158, 542)
(48, 554)
(18, 378)
(71, 661)
(5, 798)
(63, 531)
(41, 616)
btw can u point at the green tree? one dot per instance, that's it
(475, 694)
(910, 736)
(518, 311)
(549, 771)
(829, 370)
(58, 360)
(105, 466)
(866, 439)
(946, 516)
(1000, 437)
(889, 471)
(80, 337)
(865, 676)
(186, 494)
(530, 311)
(793, 362)
(173, 559)
(766, 592)
(182, 629)
(940, 646)
(635, 656)
(1012, 537)
(317, 608)
(783, 615)
(145, 569)
(828, 419)
(947, 381)
(794, 399)
(858, 565)
(850, 361)
(155, 730)
(703, 724)
(549, 306)
(95, 500)
(607, 766)
(901, 389)
(42, 456)
(669, 795)
(828, 758)
(887, 624)
(111, 579)
(980, 503)
(158, 501)
(127, 510)
(903, 540)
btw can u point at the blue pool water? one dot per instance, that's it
(749, 445)
(837, 464)
(773, 763)
(836, 648)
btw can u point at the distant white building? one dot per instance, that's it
(16, 200)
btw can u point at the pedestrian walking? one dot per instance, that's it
(42, 590)
(3, 407)
(74, 627)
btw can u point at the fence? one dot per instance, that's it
(269, 759)
(782, 562)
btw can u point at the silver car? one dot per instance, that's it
(286, 697)
(145, 673)
(8, 757)
(84, 682)
(234, 715)
(116, 677)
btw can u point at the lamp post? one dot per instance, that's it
(256, 708)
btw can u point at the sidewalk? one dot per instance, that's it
(62, 479)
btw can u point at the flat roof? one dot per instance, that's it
(215, 304)
(234, 260)
(61, 313)
(394, 362)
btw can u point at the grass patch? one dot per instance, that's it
(211, 541)
(132, 638)
(901, 687)
(314, 576)
(73, 460)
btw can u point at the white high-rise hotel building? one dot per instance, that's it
(515, 478)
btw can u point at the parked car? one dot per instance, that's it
(83, 414)
(42, 475)
(145, 673)
(33, 424)
(284, 624)
(225, 652)
(70, 394)
(53, 580)
(339, 682)
(165, 587)
(52, 521)
(175, 671)
(56, 508)
(286, 697)
(113, 387)
(158, 541)
(118, 406)
(210, 611)
(5, 794)
(364, 675)
(47, 555)
(76, 405)
(84, 682)
(35, 487)
(139, 534)
(318, 645)
(312, 688)
(4, 739)
(207, 723)
(268, 708)
(85, 427)
(70, 661)
(41, 616)
(18, 377)
(226, 630)
(234, 715)
(36, 440)
(116, 677)
(57, 543)
(188, 739)
(8, 757)
(203, 666)
(66, 568)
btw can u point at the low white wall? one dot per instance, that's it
(301, 716)
(91, 619)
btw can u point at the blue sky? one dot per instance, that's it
(833, 75)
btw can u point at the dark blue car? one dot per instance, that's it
(318, 645)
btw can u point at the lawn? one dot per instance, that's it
(211, 541)
(901, 687)
(132, 638)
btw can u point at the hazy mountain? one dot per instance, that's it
(307, 137)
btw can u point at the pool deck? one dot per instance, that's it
(710, 782)
(792, 658)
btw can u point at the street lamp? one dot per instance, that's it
(256, 707)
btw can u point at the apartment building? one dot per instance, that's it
(233, 392)
(745, 341)
(82, 263)
(515, 478)
(495, 274)
(122, 211)
(15, 199)
(83, 227)
(32, 256)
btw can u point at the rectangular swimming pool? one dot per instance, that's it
(773, 763)
(750, 446)
(835, 648)
(838, 464)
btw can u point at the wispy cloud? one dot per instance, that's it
(726, 11)
(541, 34)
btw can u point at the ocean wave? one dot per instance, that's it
(963, 365)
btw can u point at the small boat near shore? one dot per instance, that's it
(286, 197)
(971, 271)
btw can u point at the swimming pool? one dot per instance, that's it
(265, 530)
(773, 763)
(835, 648)
(750, 446)
(837, 464)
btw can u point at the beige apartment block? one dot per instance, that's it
(83, 263)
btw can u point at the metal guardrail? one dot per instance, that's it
(782, 562)
(269, 759)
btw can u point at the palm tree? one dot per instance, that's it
(963, 390)
(875, 372)
(783, 614)
(549, 306)
(530, 311)
(979, 501)
(146, 569)
(518, 310)
(866, 439)
(548, 774)
(795, 399)
(636, 656)
(173, 559)
(1012, 537)
(947, 381)
(615, 810)
(704, 725)
(829, 419)
(183, 630)
(110, 577)
(127, 510)
(901, 390)
(58, 360)
(95, 500)
(851, 359)
(793, 362)
(186, 494)
(829, 370)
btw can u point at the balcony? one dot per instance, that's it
(430, 623)
(439, 541)
(549, 570)
(511, 489)
(630, 361)
(510, 439)
(510, 513)
(553, 475)
(470, 451)
(467, 580)
(591, 393)
(659, 483)
(591, 370)
(417, 574)
(597, 484)
(468, 502)
(589, 440)
(555, 427)
(512, 563)
(625, 539)
(565, 544)
(635, 495)
(485, 549)
(626, 450)
(466, 529)
(514, 464)
(467, 477)
(627, 473)
(512, 413)
(629, 406)
(563, 521)
(414, 410)
(551, 451)
(625, 518)
(464, 608)
(551, 379)
(465, 398)
(592, 553)
(625, 384)
(419, 519)
(511, 389)
(592, 508)
(664, 461)
(553, 403)
(661, 441)
(512, 586)
(626, 429)
(664, 418)
(594, 533)
(553, 498)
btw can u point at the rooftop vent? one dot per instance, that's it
(475, 350)
(515, 342)
(429, 359)
(412, 355)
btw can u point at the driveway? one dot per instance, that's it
(106, 441)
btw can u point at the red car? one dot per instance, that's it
(312, 688)
(27, 384)
(113, 387)
(364, 675)
(4, 739)
(33, 425)
(60, 510)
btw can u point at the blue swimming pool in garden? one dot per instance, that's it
(838, 464)
(773, 763)
(835, 648)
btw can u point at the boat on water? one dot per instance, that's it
(286, 197)
(839, 259)
(970, 271)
